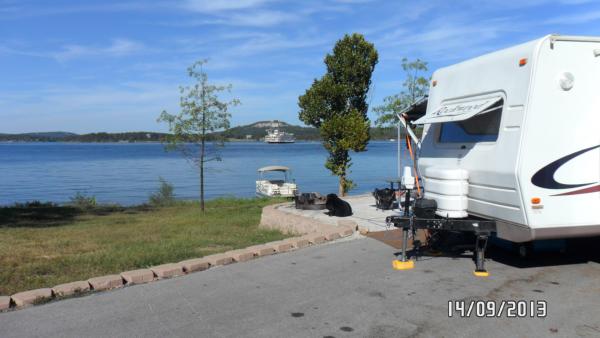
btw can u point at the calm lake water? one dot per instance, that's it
(128, 173)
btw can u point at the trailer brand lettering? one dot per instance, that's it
(459, 109)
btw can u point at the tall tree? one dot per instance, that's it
(415, 86)
(202, 113)
(337, 104)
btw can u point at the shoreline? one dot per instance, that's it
(159, 142)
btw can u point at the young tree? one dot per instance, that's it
(415, 86)
(202, 113)
(337, 104)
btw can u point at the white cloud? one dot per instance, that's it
(275, 42)
(234, 13)
(454, 39)
(118, 47)
(255, 18)
(22, 9)
(353, 1)
(212, 6)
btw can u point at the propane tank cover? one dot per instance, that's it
(408, 181)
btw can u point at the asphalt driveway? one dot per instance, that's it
(343, 289)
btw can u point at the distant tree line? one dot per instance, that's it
(248, 132)
(92, 137)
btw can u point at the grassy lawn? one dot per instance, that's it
(46, 246)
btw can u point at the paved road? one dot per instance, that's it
(344, 289)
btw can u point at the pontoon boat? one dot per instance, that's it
(275, 187)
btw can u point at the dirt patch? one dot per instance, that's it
(393, 238)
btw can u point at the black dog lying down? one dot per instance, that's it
(337, 206)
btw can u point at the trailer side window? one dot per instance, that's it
(479, 128)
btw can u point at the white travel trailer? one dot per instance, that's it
(513, 136)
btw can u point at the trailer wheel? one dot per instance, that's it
(525, 250)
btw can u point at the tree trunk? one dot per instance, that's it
(202, 175)
(341, 190)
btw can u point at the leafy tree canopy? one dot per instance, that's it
(202, 113)
(337, 103)
(415, 86)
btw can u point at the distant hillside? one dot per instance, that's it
(254, 131)
(258, 130)
(93, 137)
(139, 136)
(32, 137)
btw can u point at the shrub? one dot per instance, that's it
(34, 204)
(164, 196)
(82, 201)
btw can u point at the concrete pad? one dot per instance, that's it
(298, 242)
(138, 276)
(106, 282)
(196, 264)
(219, 259)
(242, 255)
(363, 207)
(314, 239)
(263, 249)
(346, 223)
(31, 297)
(4, 302)
(167, 270)
(69, 289)
(282, 246)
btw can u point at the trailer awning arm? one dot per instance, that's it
(411, 113)
(409, 130)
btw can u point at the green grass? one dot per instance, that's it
(43, 246)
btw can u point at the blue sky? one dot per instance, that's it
(86, 66)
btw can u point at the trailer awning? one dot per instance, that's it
(461, 111)
(416, 110)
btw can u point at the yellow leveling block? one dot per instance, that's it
(400, 265)
(481, 273)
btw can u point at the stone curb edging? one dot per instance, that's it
(308, 233)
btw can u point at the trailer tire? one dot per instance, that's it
(525, 250)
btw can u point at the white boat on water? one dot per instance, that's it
(277, 136)
(275, 187)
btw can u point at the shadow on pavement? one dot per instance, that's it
(573, 251)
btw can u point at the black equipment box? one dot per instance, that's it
(384, 198)
(425, 208)
(310, 201)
